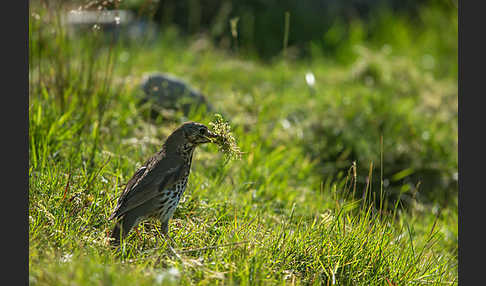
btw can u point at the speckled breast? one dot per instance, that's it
(170, 198)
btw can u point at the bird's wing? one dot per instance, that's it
(146, 183)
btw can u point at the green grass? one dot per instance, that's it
(290, 211)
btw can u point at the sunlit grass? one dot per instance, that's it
(290, 209)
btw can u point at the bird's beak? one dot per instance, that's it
(210, 136)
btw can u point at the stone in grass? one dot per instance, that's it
(168, 92)
(225, 141)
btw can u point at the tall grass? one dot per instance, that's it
(74, 72)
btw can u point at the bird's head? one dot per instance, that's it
(196, 133)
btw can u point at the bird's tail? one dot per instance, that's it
(115, 235)
(122, 228)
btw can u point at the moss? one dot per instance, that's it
(226, 141)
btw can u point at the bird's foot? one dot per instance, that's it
(170, 241)
(172, 251)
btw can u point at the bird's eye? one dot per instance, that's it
(202, 131)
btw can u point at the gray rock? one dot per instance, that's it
(171, 93)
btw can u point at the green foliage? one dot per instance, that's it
(293, 209)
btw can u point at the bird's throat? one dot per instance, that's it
(186, 151)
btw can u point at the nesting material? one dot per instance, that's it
(226, 141)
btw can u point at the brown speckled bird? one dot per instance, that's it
(156, 188)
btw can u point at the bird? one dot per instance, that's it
(155, 189)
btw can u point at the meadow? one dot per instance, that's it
(347, 179)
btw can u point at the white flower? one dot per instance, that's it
(310, 79)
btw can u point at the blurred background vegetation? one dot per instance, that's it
(317, 28)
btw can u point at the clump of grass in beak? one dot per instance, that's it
(225, 140)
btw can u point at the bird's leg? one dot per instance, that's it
(171, 250)
(168, 239)
(165, 233)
